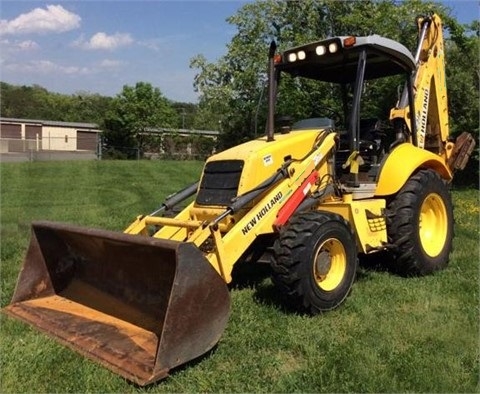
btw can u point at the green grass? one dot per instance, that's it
(392, 334)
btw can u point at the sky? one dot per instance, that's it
(100, 46)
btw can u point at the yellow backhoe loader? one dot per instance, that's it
(310, 196)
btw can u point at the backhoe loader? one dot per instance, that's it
(308, 197)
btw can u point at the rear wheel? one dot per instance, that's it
(420, 225)
(315, 261)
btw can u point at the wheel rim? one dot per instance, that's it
(433, 226)
(330, 264)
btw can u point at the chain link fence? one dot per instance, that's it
(52, 148)
(167, 146)
(156, 147)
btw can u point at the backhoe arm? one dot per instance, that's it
(430, 128)
(429, 88)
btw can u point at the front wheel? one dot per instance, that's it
(315, 261)
(420, 225)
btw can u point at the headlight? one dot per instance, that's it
(292, 57)
(301, 55)
(320, 50)
(332, 47)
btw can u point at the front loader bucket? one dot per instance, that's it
(138, 305)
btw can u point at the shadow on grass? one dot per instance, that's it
(247, 275)
(266, 293)
(375, 262)
(174, 371)
(469, 177)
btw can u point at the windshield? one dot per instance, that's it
(303, 98)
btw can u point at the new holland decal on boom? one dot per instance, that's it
(262, 212)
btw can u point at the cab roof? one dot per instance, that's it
(385, 57)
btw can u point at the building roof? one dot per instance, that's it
(183, 131)
(94, 127)
(55, 123)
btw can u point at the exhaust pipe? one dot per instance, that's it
(271, 92)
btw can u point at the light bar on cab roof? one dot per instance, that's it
(332, 47)
(321, 50)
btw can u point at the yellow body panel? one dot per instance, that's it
(402, 162)
(262, 159)
(366, 217)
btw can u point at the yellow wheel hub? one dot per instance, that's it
(330, 264)
(433, 224)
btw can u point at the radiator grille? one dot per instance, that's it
(220, 182)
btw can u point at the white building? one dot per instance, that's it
(22, 135)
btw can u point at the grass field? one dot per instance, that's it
(392, 334)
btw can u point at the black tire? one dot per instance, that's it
(420, 225)
(315, 261)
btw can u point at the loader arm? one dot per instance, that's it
(265, 216)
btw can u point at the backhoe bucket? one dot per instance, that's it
(138, 305)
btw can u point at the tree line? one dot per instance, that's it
(126, 119)
(232, 96)
(36, 102)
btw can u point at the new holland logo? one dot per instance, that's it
(422, 121)
(261, 213)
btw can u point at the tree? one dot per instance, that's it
(36, 102)
(88, 107)
(463, 82)
(135, 112)
(186, 114)
(463, 78)
(30, 102)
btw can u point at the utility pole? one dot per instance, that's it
(183, 118)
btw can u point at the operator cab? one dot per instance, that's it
(346, 67)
